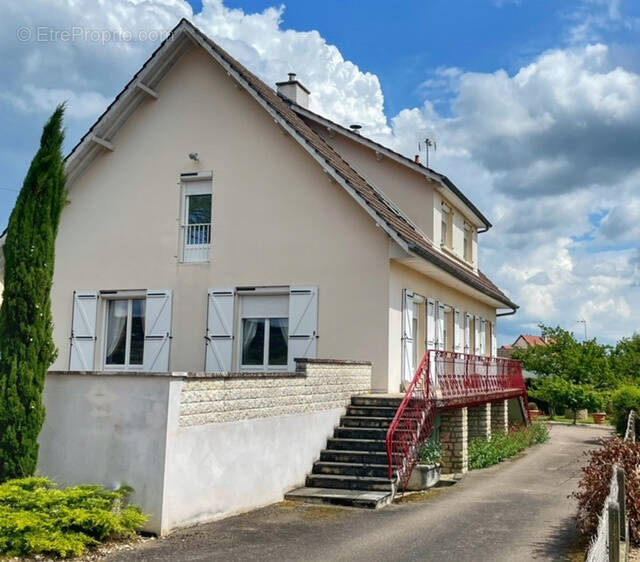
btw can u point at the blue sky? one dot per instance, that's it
(535, 105)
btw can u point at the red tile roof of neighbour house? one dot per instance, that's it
(399, 227)
(533, 340)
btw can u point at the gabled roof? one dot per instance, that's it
(382, 210)
(439, 178)
(532, 341)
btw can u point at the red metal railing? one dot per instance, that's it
(446, 380)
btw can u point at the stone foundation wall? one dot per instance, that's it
(500, 416)
(454, 441)
(317, 384)
(479, 418)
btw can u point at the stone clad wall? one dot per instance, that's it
(454, 441)
(317, 384)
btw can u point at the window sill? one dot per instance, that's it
(447, 250)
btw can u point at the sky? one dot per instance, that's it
(534, 104)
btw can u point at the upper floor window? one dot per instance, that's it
(466, 242)
(196, 218)
(444, 229)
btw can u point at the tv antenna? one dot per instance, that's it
(428, 143)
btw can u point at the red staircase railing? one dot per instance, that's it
(446, 380)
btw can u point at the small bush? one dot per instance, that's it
(624, 400)
(487, 452)
(430, 453)
(36, 517)
(593, 488)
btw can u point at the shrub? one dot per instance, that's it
(593, 488)
(430, 453)
(487, 452)
(36, 517)
(624, 400)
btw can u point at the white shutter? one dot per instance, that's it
(483, 337)
(220, 323)
(476, 334)
(467, 333)
(157, 330)
(303, 324)
(431, 324)
(494, 340)
(441, 319)
(408, 337)
(83, 331)
(458, 331)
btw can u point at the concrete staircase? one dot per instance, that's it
(352, 470)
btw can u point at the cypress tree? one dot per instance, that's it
(26, 327)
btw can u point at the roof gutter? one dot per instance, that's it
(465, 278)
(510, 313)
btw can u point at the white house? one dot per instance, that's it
(217, 230)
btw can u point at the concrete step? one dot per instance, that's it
(351, 469)
(364, 421)
(372, 411)
(355, 444)
(349, 482)
(376, 433)
(332, 496)
(359, 457)
(372, 400)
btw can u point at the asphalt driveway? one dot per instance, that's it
(518, 510)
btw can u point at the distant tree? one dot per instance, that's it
(561, 393)
(26, 343)
(567, 358)
(625, 359)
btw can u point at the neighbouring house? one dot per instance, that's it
(230, 270)
(523, 341)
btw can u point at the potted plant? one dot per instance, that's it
(427, 472)
(599, 417)
(533, 411)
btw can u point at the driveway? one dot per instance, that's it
(518, 510)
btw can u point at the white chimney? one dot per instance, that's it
(294, 91)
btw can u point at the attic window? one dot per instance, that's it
(466, 242)
(444, 229)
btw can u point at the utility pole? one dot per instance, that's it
(584, 322)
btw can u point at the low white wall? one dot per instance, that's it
(217, 470)
(194, 447)
(108, 430)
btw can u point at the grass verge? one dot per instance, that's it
(501, 446)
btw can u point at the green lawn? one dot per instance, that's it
(563, 419)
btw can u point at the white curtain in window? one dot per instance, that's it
(250, 329)
(118, 312)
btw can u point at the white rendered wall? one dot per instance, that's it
(107, 430)
(185, 467)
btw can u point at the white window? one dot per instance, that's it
(196, 218)
(466, 242)
(444, 228)
(124, 333)
(264, 332)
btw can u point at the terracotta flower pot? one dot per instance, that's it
(599, 417)
(533, 414)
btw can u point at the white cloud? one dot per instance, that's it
(81, 105)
